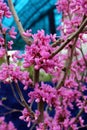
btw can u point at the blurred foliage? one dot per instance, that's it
(45, 77)
(2, 60)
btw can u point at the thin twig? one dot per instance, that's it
(18, 22)
(23, 100)
(83, 57)
(6, 107)
(15, 95)
(9, 112)
(33, 126)
(57, 42)
(84, 126)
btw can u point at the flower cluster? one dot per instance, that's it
(74, 12)
(6, 126)
(73, 6)
(4, 10)
(9, 73)
(2, 52)
(12, 33)
(26, 116)
(44, 92)
(38, 54)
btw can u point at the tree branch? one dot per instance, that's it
(72, 36)
(18, 22)
(23, 100)
(41, 103)
(68, 65)
(14, 94)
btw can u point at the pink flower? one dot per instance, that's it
(12, 33)
(38, 54)
(45, 92)
(70, 83)
(81, 121)
(26, 116)
(2, 52)
(2, 41)
(4, 10)
(9, 73)
(27, 33)
(10, 43)
(6, 126)
(1, 14)
(84, 5)
(37, 113)
(4, 29)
